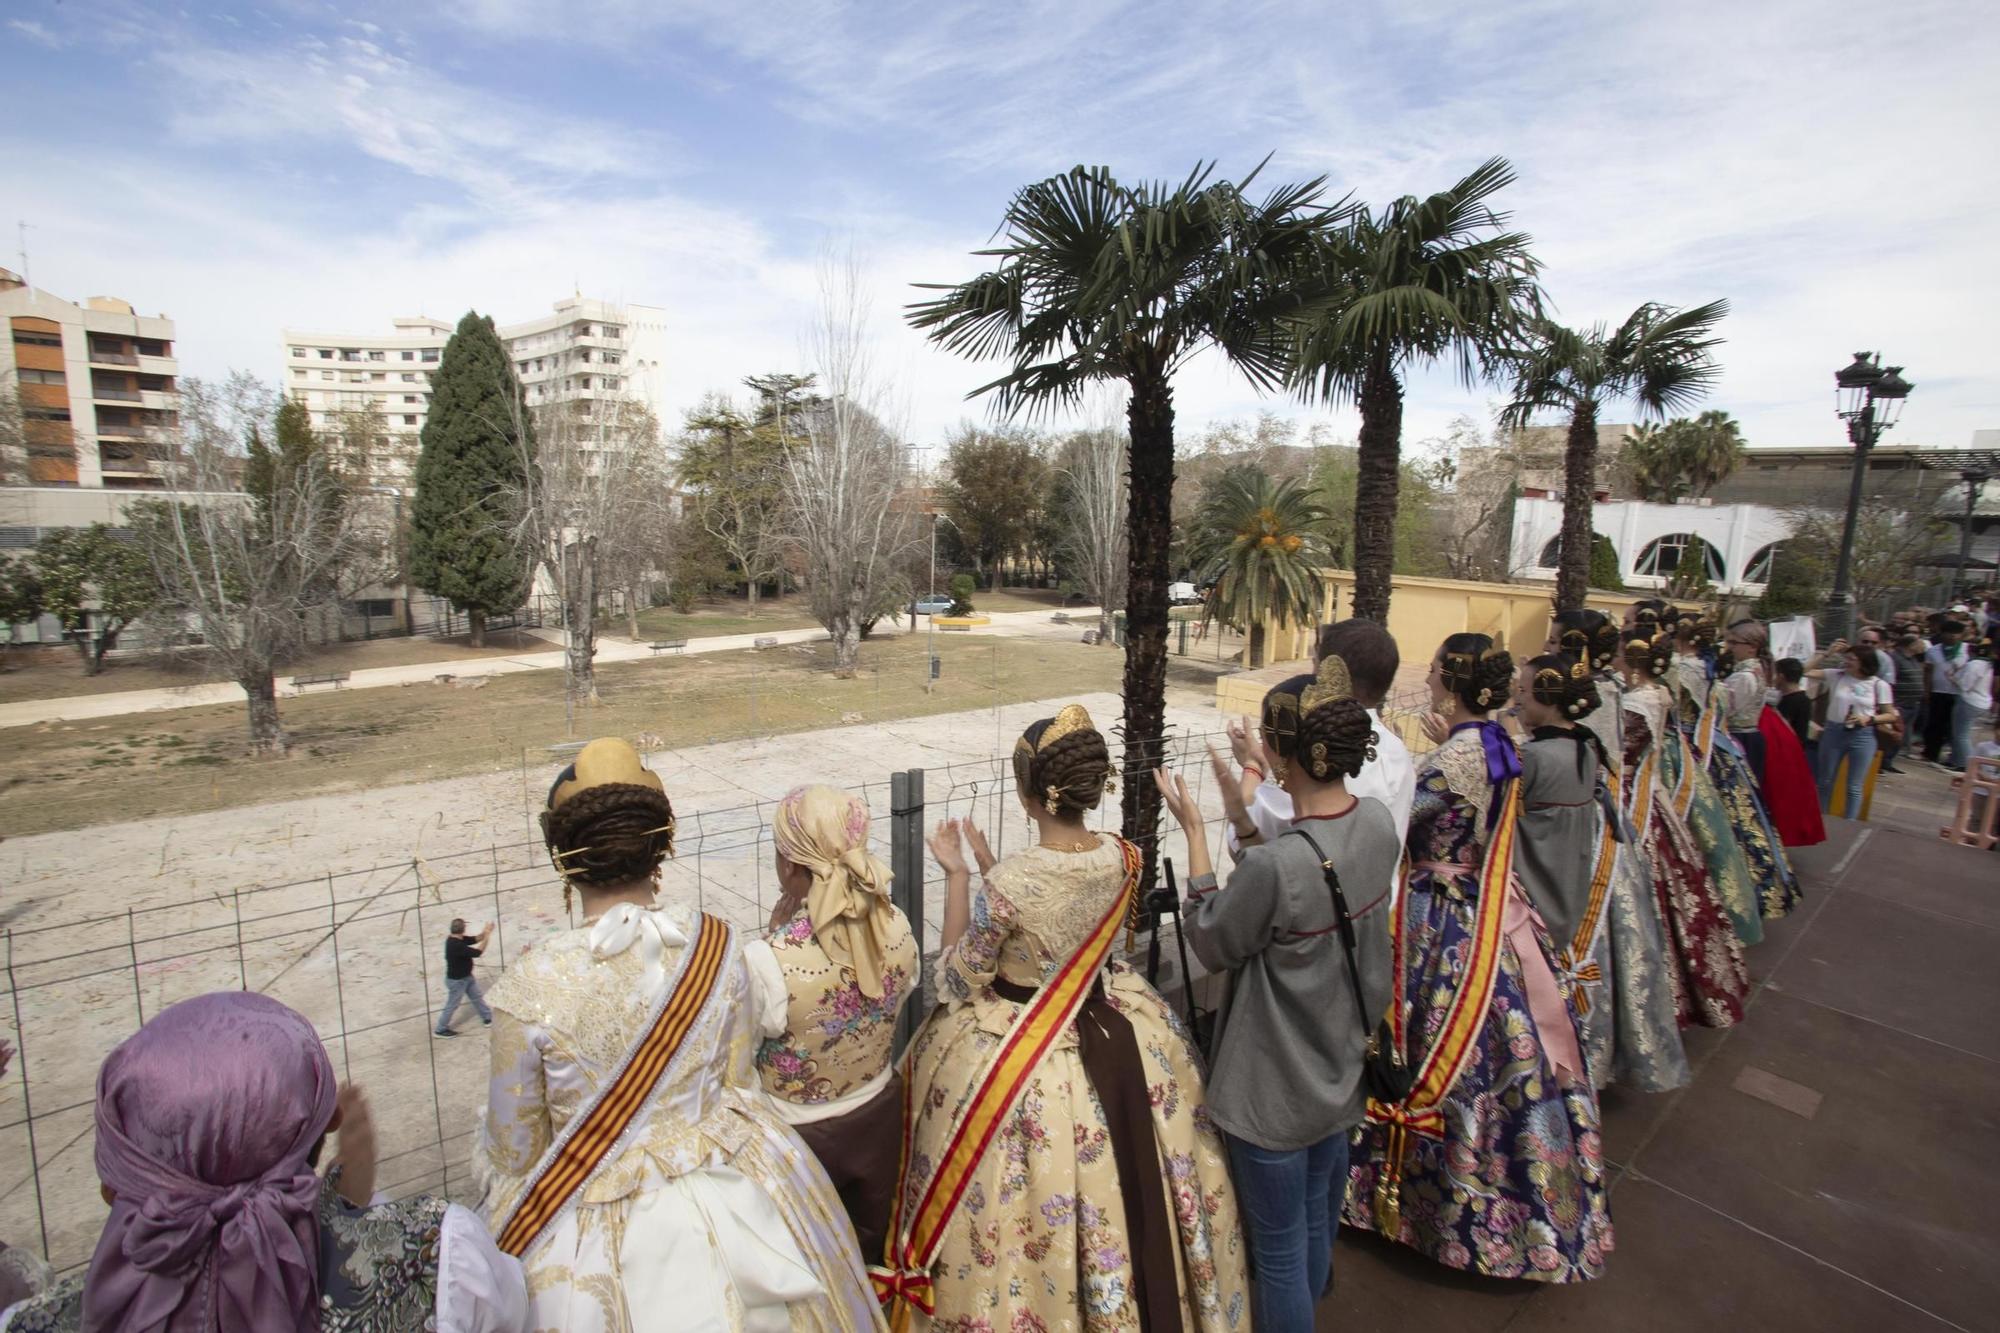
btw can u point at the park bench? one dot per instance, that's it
(668, 646)
(1060, 618)
(333, 678)
(764, 641)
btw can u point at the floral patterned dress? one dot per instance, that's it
(1517, 1185)
(1710, 982)
(1627, 1019)
(1040, 1240)
(1773, 885)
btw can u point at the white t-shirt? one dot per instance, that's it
(1390, 779)
(1975, 684)
(1855, 694)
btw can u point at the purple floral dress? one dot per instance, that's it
(1516, 1187)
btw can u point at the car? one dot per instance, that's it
(1183, 594)
(933, 604)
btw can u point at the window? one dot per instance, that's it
(409, 356)
(611, 331)
(1662, 556)
(611, 381)
(298, 372)
(43, 377)
(326, 354)
(1759, 568)
(298, 351)
(151, 347)
(377, 377)
(608, 358)
(430, 355)
(326, 374)
(37, 339)
(45, 414)
(410, 419)
(375, 356)
(370, 607)
(411, 398)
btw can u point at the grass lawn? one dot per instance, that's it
(72, 775)
(715, 616)
(57, 672)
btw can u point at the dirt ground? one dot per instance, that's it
(337, 904)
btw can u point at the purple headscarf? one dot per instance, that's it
(205, 1118)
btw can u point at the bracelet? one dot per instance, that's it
(1252, 768)
(1242, 835)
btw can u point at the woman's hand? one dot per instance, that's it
(1246, 752)
(946, 846)
(1233, 806)
(1435, 727)
(982, 855)
(1179, 800)
(357, 1146)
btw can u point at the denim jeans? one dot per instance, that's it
(1290, 1203)
(1857, 746)
(1963, 719)
(463, 988)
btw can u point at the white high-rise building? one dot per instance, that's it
(586, 350)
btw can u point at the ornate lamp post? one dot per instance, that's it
(1975, 479)
(1869, 399)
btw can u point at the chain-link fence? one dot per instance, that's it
(359, 953)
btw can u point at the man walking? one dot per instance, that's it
(1941, 694)
(459, 983)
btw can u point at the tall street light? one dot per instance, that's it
(1869, 399)
(1975, 479)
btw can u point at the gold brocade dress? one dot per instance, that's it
(1041, 1241)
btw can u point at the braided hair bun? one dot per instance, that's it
(1651, 655)
(612, 833)
(1334, 740)
(1476, 672)
(1564, 684)
(1589, 636)
(1067, 773)
(1698, 632)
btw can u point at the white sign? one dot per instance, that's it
(1793, 638)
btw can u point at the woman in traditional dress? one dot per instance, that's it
(1062, 1169)
(627, 1154)
(848, 963)
(1618, 961)
(1703, 705)
(210, 1123)
(1706, 958)
(1302, 930)
(1494, 1163)
(1786, 783)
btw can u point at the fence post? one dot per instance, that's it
(499, 929)
(242, 971)
(906, 868)
(430, 1041)
(132, 943)
(27, 1099)
(339, 990)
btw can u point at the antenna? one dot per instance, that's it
(21, 229)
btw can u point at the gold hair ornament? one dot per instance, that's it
(1331, 684)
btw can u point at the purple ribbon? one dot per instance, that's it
(1503, 761)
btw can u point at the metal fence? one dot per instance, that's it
(358, 952)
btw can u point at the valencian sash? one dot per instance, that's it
(587, 1140)
(1576, 959)
(1700, 746)
(903, 1280)
(1458, 1037)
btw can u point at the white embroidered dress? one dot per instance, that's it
(709, 1213)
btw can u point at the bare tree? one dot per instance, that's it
(250, 572)
(596, 485)
(1092, 505)
(843, 479)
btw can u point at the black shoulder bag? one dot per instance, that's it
(1387, 1079)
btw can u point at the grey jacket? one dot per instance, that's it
(1286, 1071)
(1558, 832)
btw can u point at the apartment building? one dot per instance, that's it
(97, 385)
(373, 391)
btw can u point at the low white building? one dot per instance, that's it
(1650, 539)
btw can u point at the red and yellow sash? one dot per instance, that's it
(903, 1280)
(582, 1147)
(1700, 746)
(1576, 959)
(1458, 1039)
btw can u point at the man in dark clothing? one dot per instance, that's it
(459, 983)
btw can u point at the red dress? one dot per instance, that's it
(1791, 797)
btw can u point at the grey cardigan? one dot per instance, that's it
(1286, 1069)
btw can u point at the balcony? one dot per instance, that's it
(105, 393)
(100, 356)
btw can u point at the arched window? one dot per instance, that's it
(1662, 556)
(1759, 568)
(1553, 551)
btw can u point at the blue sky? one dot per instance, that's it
(249, 167)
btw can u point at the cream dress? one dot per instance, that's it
(709, 1213)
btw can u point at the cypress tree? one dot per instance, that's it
(471, 479)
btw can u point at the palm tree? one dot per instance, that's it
(1100, 281)
(1711, 449)
(1263, 544)
(1660, 358)
(1684, 457)
(1421, 280)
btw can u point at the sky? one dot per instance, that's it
(247, 168)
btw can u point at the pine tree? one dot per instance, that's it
(471, 477)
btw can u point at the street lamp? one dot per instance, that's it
(1975, 479)
(1869, 399)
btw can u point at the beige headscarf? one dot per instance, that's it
(826, 831)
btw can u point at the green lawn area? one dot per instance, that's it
(72, 775)
(715, 616)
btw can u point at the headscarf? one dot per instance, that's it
(826, 831)
(205, 1119)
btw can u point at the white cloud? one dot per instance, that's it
(36, 32)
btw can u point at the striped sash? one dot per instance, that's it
(587, 1140)
(1458, 1038)
(1576, 960)
(903, 1280)
(1699, 746)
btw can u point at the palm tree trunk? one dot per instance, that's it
(1579, 486)
(1381, 403)
(1149, 522)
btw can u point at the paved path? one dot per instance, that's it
(29, 712)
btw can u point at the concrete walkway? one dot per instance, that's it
(29, 712)
(1833, 1163)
